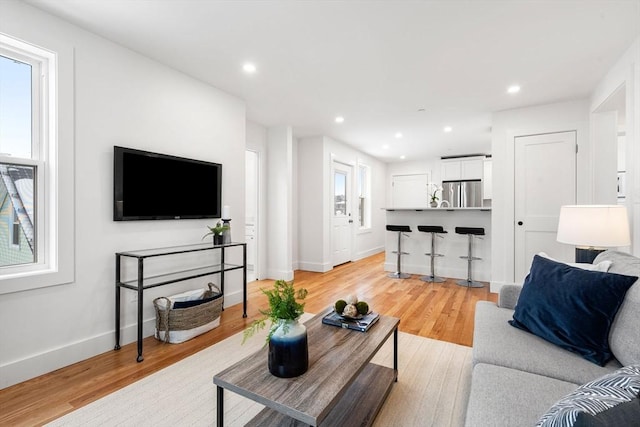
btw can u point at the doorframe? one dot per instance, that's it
(260, 208)
(352, 193)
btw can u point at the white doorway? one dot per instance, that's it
(545, 179)
(341, 219)
(252, 171)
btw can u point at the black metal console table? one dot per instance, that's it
(141, 282)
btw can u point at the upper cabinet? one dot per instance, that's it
(462, 168)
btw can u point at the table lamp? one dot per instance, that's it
(592, 228)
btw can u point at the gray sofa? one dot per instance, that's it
(517, 376)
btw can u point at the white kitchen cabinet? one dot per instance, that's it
(462, 168)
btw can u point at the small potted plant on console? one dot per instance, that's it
(217, 232)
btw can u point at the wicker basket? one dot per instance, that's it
(177, 325)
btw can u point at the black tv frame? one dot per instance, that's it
(118, 185)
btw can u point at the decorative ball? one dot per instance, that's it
(340, 305)
(350, 310)
(362, 307)
(351, 299)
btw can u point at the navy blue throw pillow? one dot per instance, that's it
(571, 307)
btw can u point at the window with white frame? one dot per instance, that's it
(364, 196)
(27, 126)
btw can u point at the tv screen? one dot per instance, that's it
(158, 186)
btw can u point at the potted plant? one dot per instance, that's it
(434, 195)
(287, 338)
(217, 232)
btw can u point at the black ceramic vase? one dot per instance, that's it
(288, 350)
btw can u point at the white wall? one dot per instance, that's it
(564, 116)
(280, 203)
(315, 156)
(121, 98)
(626, 72)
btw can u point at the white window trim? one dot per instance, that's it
(55, 204)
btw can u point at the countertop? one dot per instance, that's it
(426, 209)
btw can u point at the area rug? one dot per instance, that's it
(433, 385)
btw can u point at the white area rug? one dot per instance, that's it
(434, 379)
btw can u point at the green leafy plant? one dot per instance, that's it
(217, 230)
(284, 304)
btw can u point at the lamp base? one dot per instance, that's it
(587, 255)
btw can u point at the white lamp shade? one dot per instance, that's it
(597, 226)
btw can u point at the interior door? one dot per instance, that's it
(341, 219)
(545, 179)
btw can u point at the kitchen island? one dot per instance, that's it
(452, 246)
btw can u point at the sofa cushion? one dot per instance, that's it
(571, 307)
(503, 397)
(595, 397)
(498, 343)
(624, 414)
(624, 337)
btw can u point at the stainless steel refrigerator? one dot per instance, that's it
(463, 194)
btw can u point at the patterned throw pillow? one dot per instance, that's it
(595, 397)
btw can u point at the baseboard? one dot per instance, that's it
(368, 253)
(315, 266)
(39, 364)
(496, 286)
(279, 274)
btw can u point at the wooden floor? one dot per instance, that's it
(442, 311)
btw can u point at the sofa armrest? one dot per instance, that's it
(508, 296)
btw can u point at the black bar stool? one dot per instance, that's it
(470, 231)
(399, 229)
(435, 230)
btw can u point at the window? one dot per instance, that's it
(364, 196)
(29, 180)
(340, 193)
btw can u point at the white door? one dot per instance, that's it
(545, 179)
(410, 191)
(341, 219)
(252, 170)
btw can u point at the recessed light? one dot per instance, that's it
(513, 89)
(385, 146)
(398, 134)
(249, 68)
(447, 129)
(339, 119)
(403, 157)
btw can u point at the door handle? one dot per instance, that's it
(520, 223)
(350, 221)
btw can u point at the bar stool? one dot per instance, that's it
(470, 232)
(399, 229)
(435, 230)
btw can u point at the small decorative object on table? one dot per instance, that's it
(349, 313)
(287, 338)
(217, 232)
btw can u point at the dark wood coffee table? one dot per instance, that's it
(340, 388)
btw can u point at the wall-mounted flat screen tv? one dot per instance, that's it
(158, 186)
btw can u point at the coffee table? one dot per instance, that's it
(340, 388)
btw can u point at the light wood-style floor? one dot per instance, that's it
(442, 311)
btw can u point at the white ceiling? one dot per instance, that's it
(377, 63)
